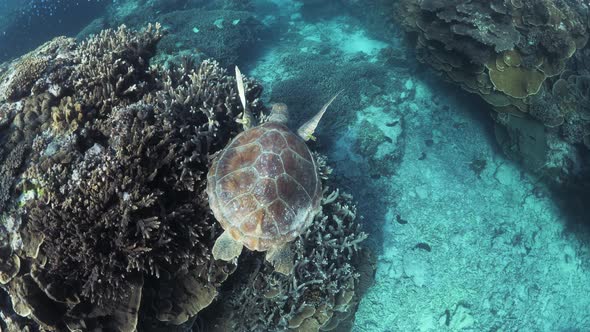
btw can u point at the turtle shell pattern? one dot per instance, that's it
(264, 188)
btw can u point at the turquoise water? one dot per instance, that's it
(467, 230)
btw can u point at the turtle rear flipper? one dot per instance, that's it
(226, 248)
(281, 257)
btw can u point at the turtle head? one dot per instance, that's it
(279, 113)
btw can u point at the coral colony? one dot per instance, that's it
(107, 223)
(513, 54)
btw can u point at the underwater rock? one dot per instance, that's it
(103, 162)
(381, 151)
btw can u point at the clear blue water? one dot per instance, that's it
(465, 238)
(25, 24)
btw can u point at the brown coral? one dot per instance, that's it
(25, 72)
(514, 81)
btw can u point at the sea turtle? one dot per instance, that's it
(263, 187)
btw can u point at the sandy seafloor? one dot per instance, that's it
(503, 254)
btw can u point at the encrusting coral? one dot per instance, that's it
(107, 220)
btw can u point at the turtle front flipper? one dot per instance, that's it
(306, 130)
(226, 248)
(281, 257)
(247, 119)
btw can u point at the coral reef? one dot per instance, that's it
(18, 82)
(104, 218)
(312, 87)
(520, 57)
(225, 35)
(503, 51)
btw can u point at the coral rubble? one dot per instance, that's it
(104, 219)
